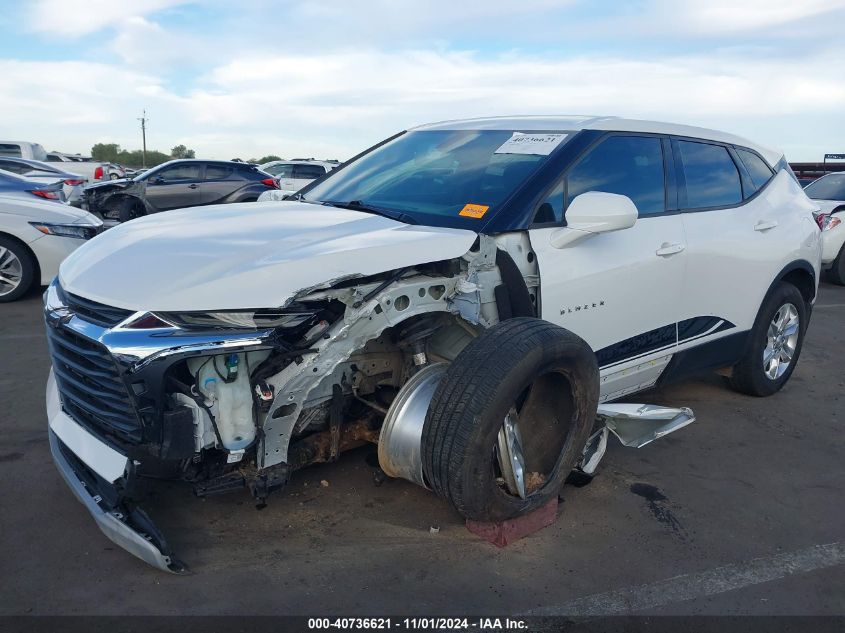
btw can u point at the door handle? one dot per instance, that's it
(666, 249)
(193, 186)
(765, 225)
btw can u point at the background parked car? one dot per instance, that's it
(22, 149)
(35, 236)
(45, 173)
(177, 184)
(829, 193)
(15, 185)
(92, 169)
(293, 175)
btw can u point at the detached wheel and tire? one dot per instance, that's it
(129, 209)
(775, 343)
(17, 269)
(510, 419)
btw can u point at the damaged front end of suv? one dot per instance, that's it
(228, 400)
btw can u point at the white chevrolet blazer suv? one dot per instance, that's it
(467, 295)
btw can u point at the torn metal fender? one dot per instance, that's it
(635, 425)
(639, 424)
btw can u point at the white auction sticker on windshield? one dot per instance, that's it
(526, 143)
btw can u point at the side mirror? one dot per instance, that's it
(595, 212)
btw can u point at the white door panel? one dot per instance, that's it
(617, 293)
(733, 255)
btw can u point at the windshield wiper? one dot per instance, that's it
(359, 205)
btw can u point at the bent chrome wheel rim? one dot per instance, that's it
(781, 341)
(11, 271)
(509, 453)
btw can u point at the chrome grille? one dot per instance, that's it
(93, 312)
(92, 391)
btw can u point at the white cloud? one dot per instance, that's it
(334, 104)
(80, 17)
(717, 16)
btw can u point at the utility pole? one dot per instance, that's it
(143, 121)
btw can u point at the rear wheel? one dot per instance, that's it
(510, 418)
(775, 344)
(17, 269)
(836, 274)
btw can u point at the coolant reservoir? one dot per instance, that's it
(230, 402)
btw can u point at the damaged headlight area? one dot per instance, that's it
(249, 319)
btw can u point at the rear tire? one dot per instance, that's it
(525, 373)
(836, 273)
(17, 269)
(129, 209)
(775, 343)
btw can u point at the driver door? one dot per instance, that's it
(619, 290)
(175, 187)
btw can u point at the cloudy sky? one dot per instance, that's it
(327, 78)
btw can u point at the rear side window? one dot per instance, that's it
(309, 172)
(281, 171)
(10, 149)
(52, 158)
(15, 168)
(627, 165)
(759, 172)
(180, 172)
(712, 179)
(218, 172)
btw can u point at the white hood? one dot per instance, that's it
(249, 255)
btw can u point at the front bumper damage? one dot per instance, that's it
(87, 464)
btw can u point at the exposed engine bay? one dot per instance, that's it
(339, 356)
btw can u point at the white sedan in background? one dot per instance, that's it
(35, 236)
(829, 193)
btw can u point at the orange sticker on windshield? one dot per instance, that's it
(474, 210)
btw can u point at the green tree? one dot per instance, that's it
(268, 158)
(180, 151)
(107, 152)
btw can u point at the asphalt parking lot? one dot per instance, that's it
(740, 513)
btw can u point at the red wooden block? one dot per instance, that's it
(506, 532)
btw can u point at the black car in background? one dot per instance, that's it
(177, 184)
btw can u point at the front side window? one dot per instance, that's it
(759, 172)
(627, 165)
(712, 179)
(308, 172)
(440, 177)
(830, 187)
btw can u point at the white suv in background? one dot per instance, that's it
(464, 294)
(293, 175)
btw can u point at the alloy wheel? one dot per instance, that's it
(11, 271)
(781, 341)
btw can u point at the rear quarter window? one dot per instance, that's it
(712, 179)
(758, 170)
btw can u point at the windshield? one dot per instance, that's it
(830, 187)
(439, 177)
